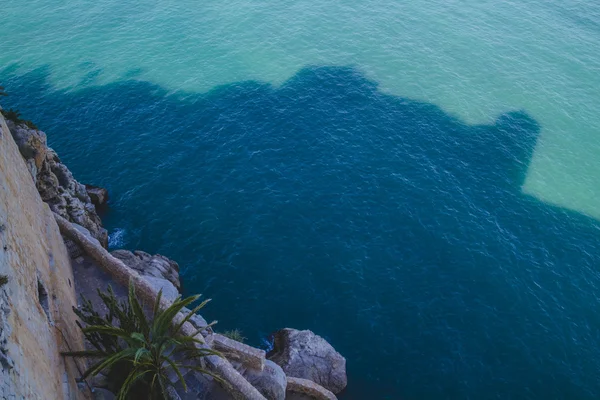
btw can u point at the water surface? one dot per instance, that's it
(414, 181)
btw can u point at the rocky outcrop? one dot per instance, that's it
(237, 386)
(36, 322)
(98, 195)
(152, 266)
(36, 317)
(55, 183)
(302, 354)
(298, 388)
(271, 382)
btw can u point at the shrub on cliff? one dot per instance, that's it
(15, 116)
(234, 334)
(3, 280)
(137, 354)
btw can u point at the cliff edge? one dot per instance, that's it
(45, 272)
(36, 317)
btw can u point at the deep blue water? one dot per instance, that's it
(394, 230)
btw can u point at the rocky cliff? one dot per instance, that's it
(36, 317)
(55, 183)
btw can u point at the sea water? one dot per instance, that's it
(415, 181)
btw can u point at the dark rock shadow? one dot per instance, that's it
(386, 225)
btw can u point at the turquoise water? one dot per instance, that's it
(414, 181)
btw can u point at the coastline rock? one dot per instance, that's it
(98, 195)
(148, 265)
(271, 382)
(169, 291)
(302, 354)
(304, 389)
(199, 322)
(32, 145)
(73, 249)
(55, 183)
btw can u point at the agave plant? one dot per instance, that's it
(137, 354)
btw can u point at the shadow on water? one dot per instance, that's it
(393, 229)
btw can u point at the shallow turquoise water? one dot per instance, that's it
(415, 181)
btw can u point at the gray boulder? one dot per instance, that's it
(302, 354)
(169, 291)
(98, 195)
(271, 381)
(156, 266)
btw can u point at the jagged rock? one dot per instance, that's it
(32, 145)
(150, 265)
(271, 381)
(55, 183)
(98, 195)
(302, 354)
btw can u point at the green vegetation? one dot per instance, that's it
(137, 354)
(15, 116)
(234, 334)
(3, 280)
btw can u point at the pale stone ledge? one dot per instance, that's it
(308, 388)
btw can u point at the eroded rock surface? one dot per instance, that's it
(98, 195)
(302, 354)
(150, 265)
(271, 382)
(36, 318)
(55, 182)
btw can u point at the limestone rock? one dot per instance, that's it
(98, 195)
(32, 144)
(150, 265)
(302, 354)
(55, 183)
(198, 321)
(271, 381)
(74, 250)
(169, 291)
(37, 321)
(304, 389)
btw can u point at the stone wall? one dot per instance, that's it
(36, 317)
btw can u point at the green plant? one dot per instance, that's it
(136, 354)
(15, 116)
(234, 334)
(3, 280)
